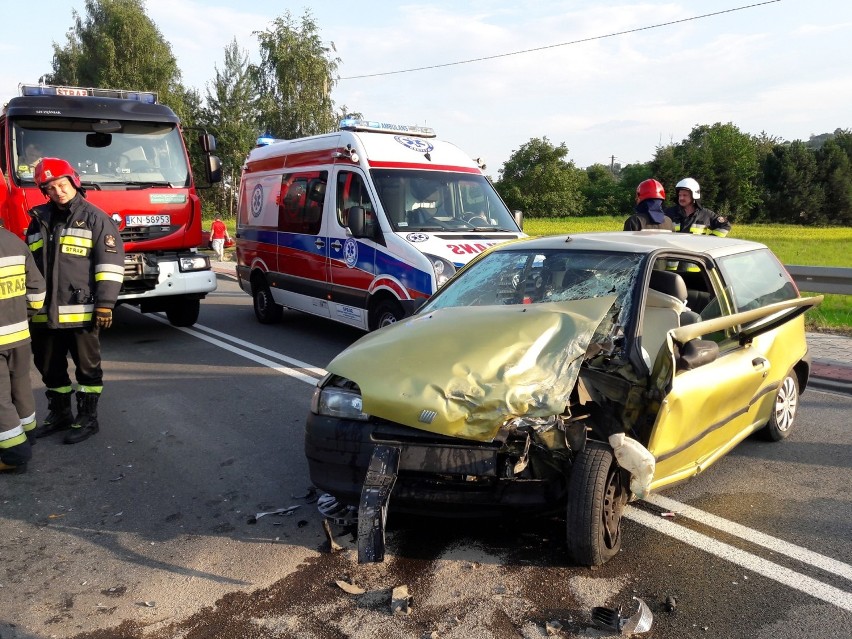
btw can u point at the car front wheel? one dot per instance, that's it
(385, 313)
(597, 495)
(784, 412)
(265, 308)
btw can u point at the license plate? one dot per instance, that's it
(148, 220)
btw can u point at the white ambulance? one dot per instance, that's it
(363, 224)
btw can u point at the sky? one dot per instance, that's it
(780, 67)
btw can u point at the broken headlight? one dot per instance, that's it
(332, 401)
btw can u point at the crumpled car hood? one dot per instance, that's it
(464, 371)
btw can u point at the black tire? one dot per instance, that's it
(597, 494)
(265, 308)
(384, 313)
(183, 312)
(783, 416)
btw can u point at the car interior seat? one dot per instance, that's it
(665, 309)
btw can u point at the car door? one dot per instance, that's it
(706, 411)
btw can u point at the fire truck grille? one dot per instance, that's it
(142, 233)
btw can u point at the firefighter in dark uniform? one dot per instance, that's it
(80, 252)
(649, 214)
(21, 295)
(690, 217)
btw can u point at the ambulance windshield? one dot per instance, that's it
(106, 155)
(416, 200)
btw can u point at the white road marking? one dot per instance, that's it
(781, 574)
(785, 576)
(754, 536)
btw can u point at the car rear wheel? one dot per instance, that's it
(597, 495)
(183, 312)
(784, 412)
(265, 308)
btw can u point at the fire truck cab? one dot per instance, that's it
(363, 224)
(130, 154)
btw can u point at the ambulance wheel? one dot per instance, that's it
(384, 313)
(265, 308)
(182, 312)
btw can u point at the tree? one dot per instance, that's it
(231, 114)
(294, 78)
(601, 191)
(835, 173)
(793, 193)
(539, 181)
(117, 46)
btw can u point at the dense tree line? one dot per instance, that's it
(288, 95)
(747, 178)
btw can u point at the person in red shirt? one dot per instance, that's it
(218, 235)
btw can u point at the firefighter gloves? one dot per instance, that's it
(103, 317)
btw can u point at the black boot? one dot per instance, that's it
(86, 423)
(59, 417)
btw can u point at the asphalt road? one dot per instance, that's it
(143, 529)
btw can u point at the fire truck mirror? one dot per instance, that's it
(207, 142)
(214, 169)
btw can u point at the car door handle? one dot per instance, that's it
(319, 243)
(336, 245)
(760, 362)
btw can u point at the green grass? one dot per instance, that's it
(799, 245)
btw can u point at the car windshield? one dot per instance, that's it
(540, 276)
(134, 154)
(417, 200)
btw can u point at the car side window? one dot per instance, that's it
(300, 203)
(351, 191)
(756, 279)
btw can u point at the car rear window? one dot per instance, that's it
(756, 279)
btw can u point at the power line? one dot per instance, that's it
(563, 44)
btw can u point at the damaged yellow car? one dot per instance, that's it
(569, 373)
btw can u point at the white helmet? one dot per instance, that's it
(690, 185)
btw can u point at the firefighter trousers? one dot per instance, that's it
(17, 406)
(51, 347)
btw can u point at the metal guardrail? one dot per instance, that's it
(822, 279)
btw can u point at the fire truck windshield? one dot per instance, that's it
(131, 153)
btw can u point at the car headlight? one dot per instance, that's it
(337, 402)
(444, 269)
(194, 263)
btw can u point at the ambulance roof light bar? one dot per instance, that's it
(147, 97)
(354, 124)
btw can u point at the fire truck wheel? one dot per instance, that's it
(385, 312)
(265, 308)
(182, 312)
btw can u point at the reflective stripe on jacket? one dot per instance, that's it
(701, 222)
(80, 252)
(21, 290)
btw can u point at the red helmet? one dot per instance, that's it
(650, 190)
(50, 169)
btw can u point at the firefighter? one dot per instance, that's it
(21, 295)
(80, 252)
(690, 217)
(648, 213)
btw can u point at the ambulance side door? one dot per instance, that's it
(302, 249)
(352, 261)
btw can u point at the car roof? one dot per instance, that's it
(640, 242)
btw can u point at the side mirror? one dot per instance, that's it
(207, 142)
(697, 352)
(213, 168)
(519, 219)
(356, 220)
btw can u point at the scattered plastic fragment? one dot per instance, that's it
(671, 603)
(400, 601)
(289, 510)
(333, 546)
(336, 512)
(56, 516)
(612, 619)
(352, 589)
(118, 477)
(147, 604)
(668, 514)
(552, 628)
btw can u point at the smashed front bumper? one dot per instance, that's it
(437, 475)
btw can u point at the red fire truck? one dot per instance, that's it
(130, 154)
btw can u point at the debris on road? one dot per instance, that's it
(400, 601)
(351, 588)
(289, 510)
(552, 628)
(147, 604)
(670, 604)
(333, 546)
(612, 619)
